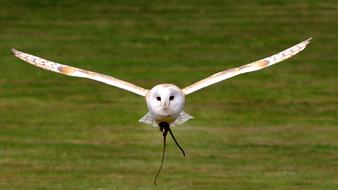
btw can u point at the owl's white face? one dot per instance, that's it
(165, 101)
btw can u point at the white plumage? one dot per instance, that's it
(165, 101)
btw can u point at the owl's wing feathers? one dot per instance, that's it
(254, 66)
(76, 72)
(148, 119)
(183, 117)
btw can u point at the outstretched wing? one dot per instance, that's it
(76, 72)
(257, 65)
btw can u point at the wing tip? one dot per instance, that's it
(307, 41)
(14, 51)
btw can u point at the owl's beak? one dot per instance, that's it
(165, 105)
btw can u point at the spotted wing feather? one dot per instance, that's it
(76, 72)
(257, 65)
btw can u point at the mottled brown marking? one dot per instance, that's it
(66, 69)
(245, 66)
(263, 63)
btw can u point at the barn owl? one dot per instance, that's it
(165, 102)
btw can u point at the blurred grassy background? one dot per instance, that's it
(273, 129)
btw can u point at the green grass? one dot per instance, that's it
(272, 129)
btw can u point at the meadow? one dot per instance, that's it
(272, 129)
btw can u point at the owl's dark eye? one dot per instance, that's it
(171, 97)
(158, 98)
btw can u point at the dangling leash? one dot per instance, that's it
(164, 128)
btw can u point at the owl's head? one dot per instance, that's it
(165, 100)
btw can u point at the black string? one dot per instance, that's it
(172, 135)
(164, 146)
(164, 127)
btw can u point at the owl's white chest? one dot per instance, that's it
(164, 117)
